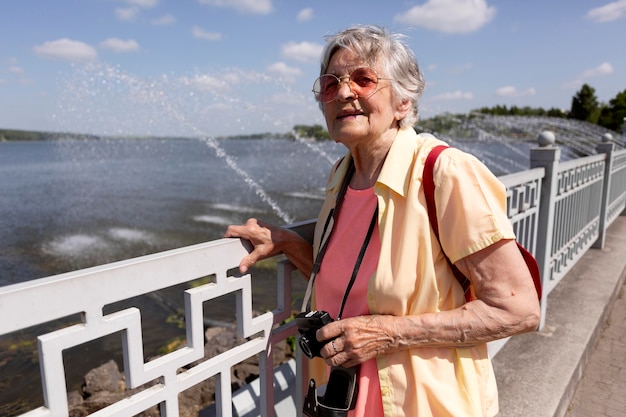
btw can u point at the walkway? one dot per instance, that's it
(576, 365)
(602, 390)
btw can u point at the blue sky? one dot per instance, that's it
(221, 67)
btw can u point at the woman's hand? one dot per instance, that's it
(259, 234)
(269, 240)
(357, 339)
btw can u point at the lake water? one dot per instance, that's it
(69, 205)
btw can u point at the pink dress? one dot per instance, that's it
(345, 244)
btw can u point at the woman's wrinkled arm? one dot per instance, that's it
(269, 240)
(506, 304)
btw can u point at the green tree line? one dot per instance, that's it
(29, 135)
(585, 106)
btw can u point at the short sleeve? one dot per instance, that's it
(471, 205)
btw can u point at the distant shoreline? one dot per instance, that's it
(15, 135)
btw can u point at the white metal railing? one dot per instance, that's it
(577, 212)
(617, 189)
(86, 292)
(523, 191)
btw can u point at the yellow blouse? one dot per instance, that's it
(413, 276)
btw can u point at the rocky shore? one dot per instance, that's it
(106, 384)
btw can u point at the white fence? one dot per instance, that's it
(86, 292)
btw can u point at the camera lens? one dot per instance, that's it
(304, 345)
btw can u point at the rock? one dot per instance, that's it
(105, 378)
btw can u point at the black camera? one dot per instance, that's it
(339, 396)
(308, 323)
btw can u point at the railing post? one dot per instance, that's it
(606, 147)
(545, 156)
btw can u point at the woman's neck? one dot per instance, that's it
(368, 161)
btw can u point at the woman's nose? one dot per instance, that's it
(344, 90)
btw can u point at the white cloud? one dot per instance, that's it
(165, 20)
(66, 49)
(283, 99)
(120, 45)
(243, 6)
(601, 70)
(608, 12)
(200, 33)
(205, 82)
(17, 73)
(286, 72)
(604, 68)
(145, 4)
(511, 91)
(303, 51)
(16, 69)
(305, 15)
(449, 16)
(455, 95)
(223, 82)
(127, 14)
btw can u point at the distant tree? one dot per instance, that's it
(317, 132)
(554, 112)
(502, 110)
(585, 105)
(612, 116)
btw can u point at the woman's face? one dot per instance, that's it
(354, 120)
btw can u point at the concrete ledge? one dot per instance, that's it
(537, 373)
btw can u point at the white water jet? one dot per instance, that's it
(97, 88)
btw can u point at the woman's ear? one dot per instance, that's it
(403, 108)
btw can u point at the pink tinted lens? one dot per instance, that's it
(365, 78)
(363, 81)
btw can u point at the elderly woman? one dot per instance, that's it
(419, 346)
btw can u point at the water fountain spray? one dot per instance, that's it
(138, 91)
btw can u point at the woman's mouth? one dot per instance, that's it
(348, 114)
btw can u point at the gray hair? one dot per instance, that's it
(376, 45)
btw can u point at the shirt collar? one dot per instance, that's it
(395, 173)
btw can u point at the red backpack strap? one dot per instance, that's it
(429, 192)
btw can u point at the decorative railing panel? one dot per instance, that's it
(86, 292)
(617, 192)
(522, 202)
(577, 213)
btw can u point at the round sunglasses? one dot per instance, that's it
(361, 81)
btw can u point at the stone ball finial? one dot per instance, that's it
(546, 138)
(607, 137)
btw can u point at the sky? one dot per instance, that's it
(230, 67)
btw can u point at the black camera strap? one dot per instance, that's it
(333, 216)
